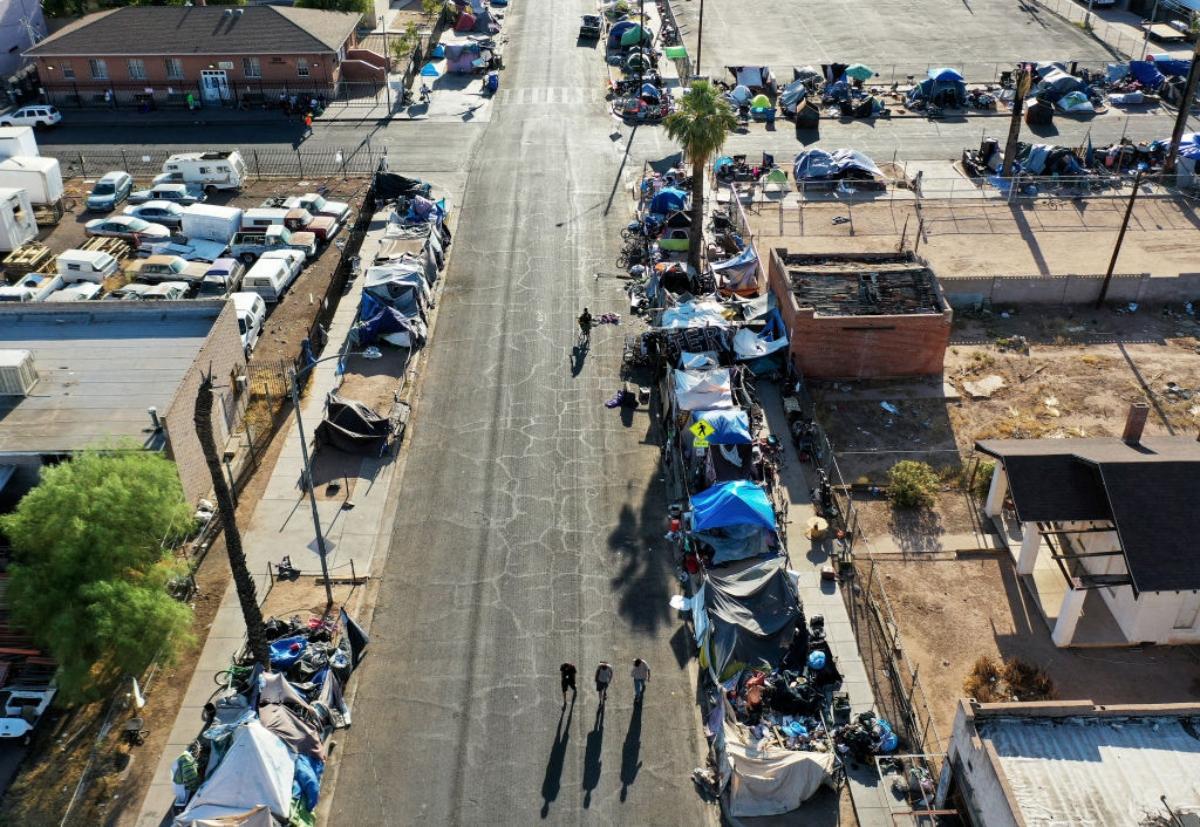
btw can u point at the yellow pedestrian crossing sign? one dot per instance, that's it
(701, 431)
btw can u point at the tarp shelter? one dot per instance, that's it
(753, 77)
(260, 816)
(771, 780)
(741, 95)
(675, 53)
(668, 200)
(819, 165)
(378, 321)
(1173, 67)
(1057, 83)
(466, 22)
(636, 35)
(353, 427)
(732, 503)
(400, 284)
(793, 95)
(731, 463)
(617, 32)
(702, 390)
(256, 769)
(752, 608)
(943, 87)
(738, 274)
(1188, 160)
(750, 345)
(301, 736)
(1147, 74)
(1075, 102)
(694, 313)
(730, 427)
(807, 115)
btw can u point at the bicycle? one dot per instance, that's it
(585, 338)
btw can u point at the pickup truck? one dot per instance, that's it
(589, 27)
(323, 227)
(317, 204)
(249, 246)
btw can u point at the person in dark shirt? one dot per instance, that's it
(567, 671)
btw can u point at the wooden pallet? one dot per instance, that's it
(32, 257)
(115, 247)
(48, 215)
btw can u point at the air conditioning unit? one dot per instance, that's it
(17, 372)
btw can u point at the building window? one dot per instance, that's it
(99, 69)
(137, 69)
(252, 67)
(174, 68)
(302, 68)
(68, 71)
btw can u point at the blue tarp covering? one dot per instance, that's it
(732, 503)
(1146, 74)
(729, 427)
(306, 783)
(283, 655)
(377, 320)
(1173, 67)
(945, 74)
(1189, 146)
(668, 200)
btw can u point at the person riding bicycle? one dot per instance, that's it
(585, 323)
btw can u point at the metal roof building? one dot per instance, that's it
(106, 374)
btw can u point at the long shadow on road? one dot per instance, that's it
(631, 751)
(591, 757)
(552, 783)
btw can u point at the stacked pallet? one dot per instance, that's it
(115, 247)
(31, 257)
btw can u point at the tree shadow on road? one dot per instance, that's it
(591, 757)
(631, 751)
(552, 783)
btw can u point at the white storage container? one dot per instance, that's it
(40, 177)
(17, 140)
(211, 223)
(86, 265)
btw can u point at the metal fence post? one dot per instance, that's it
(257, 166)
(82, 166)
(299, 163)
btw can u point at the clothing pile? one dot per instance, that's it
(865, 736)
(262, 756)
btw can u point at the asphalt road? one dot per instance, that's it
(530, 517)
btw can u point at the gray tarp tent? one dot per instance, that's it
(353, 427)
(257, 769)
(752, 608)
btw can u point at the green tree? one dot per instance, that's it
(359, 6)
(433, 8)
(92, 561)
(912, 484)
(700, 126)
(403, 46)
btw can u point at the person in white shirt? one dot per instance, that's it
(641, 674)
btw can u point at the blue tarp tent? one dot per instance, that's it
(740, 502)
(618, 31)
(1173, 67)
(729, 427)
(429, 71)
(1146, 73)
(944, 87)
(945, 74)
(668, 200)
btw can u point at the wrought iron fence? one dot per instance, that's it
(358, 161)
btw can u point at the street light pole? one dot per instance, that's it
(699, 41)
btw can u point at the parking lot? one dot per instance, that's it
(909, 36)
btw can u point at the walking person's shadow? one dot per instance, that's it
(631, 750)
(554, 766)
(591, 758)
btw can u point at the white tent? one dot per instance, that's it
(695, 314)
(260, 816)
(256, 770)
(769, 781)
(703, 390)
(748, 345)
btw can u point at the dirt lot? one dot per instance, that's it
(952, 612)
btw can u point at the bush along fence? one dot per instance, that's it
(358, 161)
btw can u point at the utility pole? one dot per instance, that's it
(1185, 107)
(322, 551)
(387, 63)
(1021, 88)
(699, 42)
(1112, 263)
(1149, 23)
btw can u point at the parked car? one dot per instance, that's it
(182, 194)
(317, 204)
(589, 27)
(157, 269)
(127, 227)
(249, 246)
(222, 278)
(274, 272)
(168, 291)
(23, 708)
(109, 191)
(37, 114)
(251, 313)
(322, 226)
(34, 287)
(82, 291)
(294, 259)
(167, 213)
(128, 292)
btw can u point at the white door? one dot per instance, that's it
(214, 85)
(1189, 611)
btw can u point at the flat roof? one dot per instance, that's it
(870, 284)
(1095, 769)
(99, 368)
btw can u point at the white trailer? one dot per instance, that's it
(210, 222)
(211, 170)
(40, 177)
(18, 140)
(17, 223)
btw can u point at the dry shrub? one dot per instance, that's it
(1013, 679)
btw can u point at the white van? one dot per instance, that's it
(270, 277)
(251, 313)
(257, 219)
(211, 170)
(86, 265)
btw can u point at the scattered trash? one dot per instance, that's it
(1005, 315)
(1015, 343)
(680, 603)
(841, 219)
(1177, 391)
(372, 352)
(890, 408)
(985, 387)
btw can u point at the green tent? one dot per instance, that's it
(675, 52)
(760, 102)
(633, 36)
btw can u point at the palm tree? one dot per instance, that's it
(255, 634)
(700, 126)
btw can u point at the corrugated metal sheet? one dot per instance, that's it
(1097, 771)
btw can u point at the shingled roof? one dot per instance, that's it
(200, 30)
(1144, 489)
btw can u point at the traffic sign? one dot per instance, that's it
(701, 431)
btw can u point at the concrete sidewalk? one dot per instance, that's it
(282, 524)
(823, 597)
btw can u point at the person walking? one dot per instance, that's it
(567, 673)
(641, 674)
(308, 125)
(604, 674)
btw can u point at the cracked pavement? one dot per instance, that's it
(529, 516)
